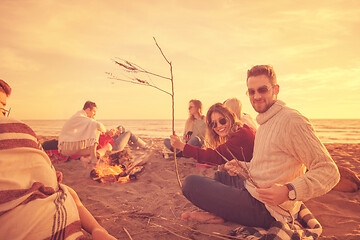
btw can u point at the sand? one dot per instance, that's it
(150, 206)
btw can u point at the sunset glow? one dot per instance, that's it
(54, 54)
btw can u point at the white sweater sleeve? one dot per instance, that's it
(322, 173)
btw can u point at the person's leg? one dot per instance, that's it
(233, 181)
(168, 144)
(88, 155)
(195, 141)
(230, 203)
(121, 140)
(139, 142)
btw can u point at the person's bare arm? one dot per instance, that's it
(88, 222)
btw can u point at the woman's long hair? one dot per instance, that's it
(234, 105)
(190, 121)
(213, 138)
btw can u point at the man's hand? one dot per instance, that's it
(233, 168)
(176, 142)
(273, 194)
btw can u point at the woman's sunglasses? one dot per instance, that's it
(214, 124)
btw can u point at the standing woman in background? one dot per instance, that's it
(195, 127)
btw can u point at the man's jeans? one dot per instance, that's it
(226, 197)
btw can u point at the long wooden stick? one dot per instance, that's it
(173, 112)
(133, 68)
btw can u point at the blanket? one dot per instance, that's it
(305, 227)
(33, 204)
(79, 132)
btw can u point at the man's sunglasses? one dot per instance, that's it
(214, 124)
(5, 112)
(260, 90)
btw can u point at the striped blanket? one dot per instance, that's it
(305, 227)
(33, 205)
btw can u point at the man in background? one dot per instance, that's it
(80, 134)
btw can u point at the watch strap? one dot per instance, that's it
(292, 192)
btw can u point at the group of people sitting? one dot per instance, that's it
(88, 138)
(266, 171)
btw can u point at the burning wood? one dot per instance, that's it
(117, 167)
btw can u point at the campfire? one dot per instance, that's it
(118, 167)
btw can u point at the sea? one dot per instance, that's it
(328, 130)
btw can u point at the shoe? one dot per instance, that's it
(148, 144)
(179, 154)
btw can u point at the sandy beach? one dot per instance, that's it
(150, 206)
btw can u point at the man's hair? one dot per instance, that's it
(4, 87)
(89, 104)
(266, 70)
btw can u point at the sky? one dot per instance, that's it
(55, 55)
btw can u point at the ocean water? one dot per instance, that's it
(328, 130)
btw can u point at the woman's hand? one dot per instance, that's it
(112, 132)
(176, 142)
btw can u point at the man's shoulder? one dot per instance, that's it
(291, 116)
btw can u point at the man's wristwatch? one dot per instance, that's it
(292, 193)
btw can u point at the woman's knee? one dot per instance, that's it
(195, 141)
(191, 183)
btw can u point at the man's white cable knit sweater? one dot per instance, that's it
(287, 150)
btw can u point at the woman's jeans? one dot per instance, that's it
(226, 197)
(121, 140)
(194, 141)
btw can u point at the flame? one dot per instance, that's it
(106, 173)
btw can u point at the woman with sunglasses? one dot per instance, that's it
(227, 138)
(195, 127)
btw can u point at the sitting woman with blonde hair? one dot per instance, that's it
(195, 127)
(235, 105)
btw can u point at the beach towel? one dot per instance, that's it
(79, 132)
(33, 204)
(305, 227)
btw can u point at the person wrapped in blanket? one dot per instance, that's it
(84, 136)
(80, 134)
(34, 204)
